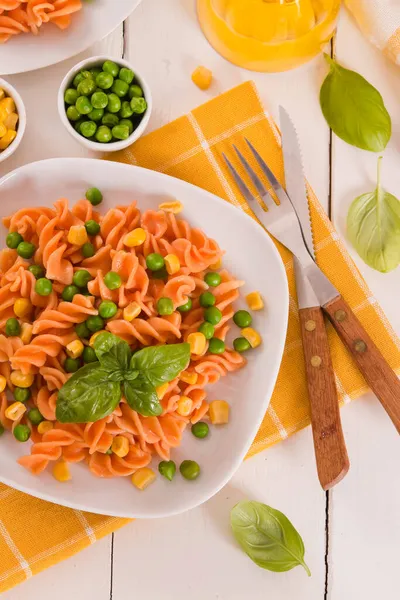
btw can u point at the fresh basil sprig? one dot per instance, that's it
(267, 536)
(95, 390)
(354, 109)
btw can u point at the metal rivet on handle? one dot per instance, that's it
(310, 325)
(360, 346)
(316, 361)
(340, 315)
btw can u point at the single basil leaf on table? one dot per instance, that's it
(354, 109)
(142, 397)
(161, 364)
(267, 536)
(87, 396)
(373, 227)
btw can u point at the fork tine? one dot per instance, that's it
(272, 179)
(239, 181)
(252, 174)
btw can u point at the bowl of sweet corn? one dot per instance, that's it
(12, 119)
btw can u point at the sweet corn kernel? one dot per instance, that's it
(15, 411)
(8, 105)
(77, 235)
(61, 472)
(217, 265)
(172, 264)
(20, 379)
(134, 238)
(143, 477)
(2, 94)
(22, 307)
(197, 342)
(6, 140)
(94, 336)
(202, 77)
(190, 378)
(3, 383)
(252, 336)
(75, 349)
(185, 406)
(11, 121)
(26, 332)
(219, 412)
(255, 301)
(3, 130)
(174, 207)
(132, 311)
(162, 390)
(120, 446)
(45, 427)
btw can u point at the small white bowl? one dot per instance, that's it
(12, 92)
(89, 63)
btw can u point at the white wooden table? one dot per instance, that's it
(352, 534)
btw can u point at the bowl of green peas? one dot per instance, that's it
(104, 103)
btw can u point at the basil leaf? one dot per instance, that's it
(87, 396)
(267, 537)
(117, 358)
(373, 227)
(141, 396)
(131, 375)
(105, 342)
(117, 375)
(354, 109)
(161, 364)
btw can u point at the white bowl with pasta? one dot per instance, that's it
(249, 255)
(12, 93)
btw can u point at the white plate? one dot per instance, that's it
(250, 255)
(26, 52)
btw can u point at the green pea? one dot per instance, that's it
(83, 105)
(216, 346)
(112, 280)
(135, 91)
(154, 261)
(207, 330)
(103, 134)
(126, 110)
(94, 323)
(83, 331)
(88, 129)
(96, 114)
(1, 429)
(165, 306)
(37, 271)
(200, 430)
(69, 292)
(120, 132)
(88, 250)
(121, 88)
(109, 451)
(167, 468)
(108, 310)
(70, 96)
(189, 469)
(35, 416)
(13, 327)
(186, 307)
(99, 100)
(86, 74)
(77, 125)
(77, 79)
(212, 279)
(14, 239)
(138, 105)
(95, 71)
(73, 114)
(94, 196)
(22, 433)
(89, 355)
(111, 67)
(85, 292)
(71, 365)
(126, 75)
(240, 344)
(128, 123)
(81, 278)
(242, 318)
(213, 315)
(22, 394)
(92, 227)
(43, 287)
(114, 103)
(110, 120)
(207, 299)
(26, 249)
(86, 87)
(104, 80)
(160, 274)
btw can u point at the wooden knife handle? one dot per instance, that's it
(380, 377)
(329, 444)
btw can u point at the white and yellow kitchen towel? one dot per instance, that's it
(380, 22)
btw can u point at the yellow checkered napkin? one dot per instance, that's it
(191, 148)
